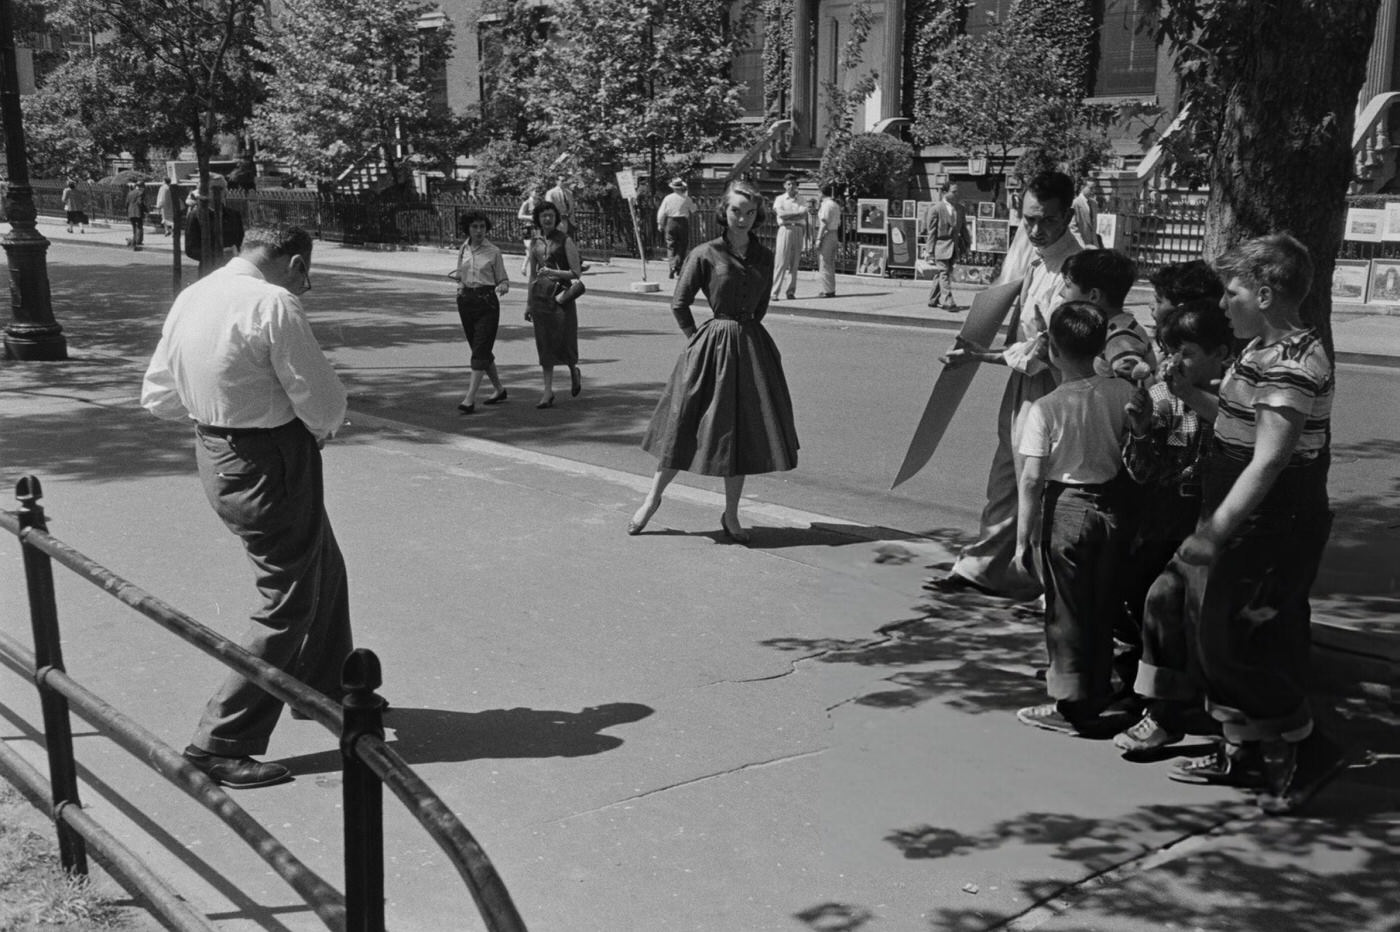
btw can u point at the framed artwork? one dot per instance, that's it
(1392, 221)
(991, 235)
(871, 214)
(902, 235)
(896, 210)
(1350, 278)
(986, 210)
(1384, 282)
(911, 209)
(870, 260)
(1365, 224)
(1108, 230)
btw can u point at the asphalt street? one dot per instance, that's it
(660, 732)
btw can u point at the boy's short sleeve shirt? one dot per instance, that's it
(1294, 374)
(1077, 430)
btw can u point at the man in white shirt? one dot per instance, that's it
(828, 237)
(985, 565)
(791, 215)
(563, 199)
(673, 222)
(238, 358)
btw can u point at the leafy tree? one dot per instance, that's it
(353, 78)
(509, 63)
(615, 71)
(839, 99)
(873, 164)
(1271, 94)
(776, 16)
(196, 58)
(506, 166)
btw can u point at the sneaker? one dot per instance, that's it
(1228, 765)
(1295, 771)
(1048, 717)
(236, 773)
(1147, 734)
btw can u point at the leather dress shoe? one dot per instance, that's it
(237, 773)
(955, 582)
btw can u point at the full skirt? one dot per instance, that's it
(726, 410)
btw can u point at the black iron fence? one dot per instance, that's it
(368, 762)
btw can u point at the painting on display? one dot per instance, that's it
(1384, 285)
(991, 235)
(870, 260)
(903, 238)
(986, 210)
(1350, 278)
(1365, 225)
(911, 209)
(871, 214)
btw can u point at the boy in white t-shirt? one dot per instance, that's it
(1073, 492)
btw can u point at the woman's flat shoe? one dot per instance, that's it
(734, 535)
(575, 382)
(497, 398)
(637, 525)
(466, 408)
(547, 403)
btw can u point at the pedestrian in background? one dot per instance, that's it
(726, 410)
(673, 223)
(238, 358)
(564, 204)
(75, 207)
(791, 215)
(1086, 214)
(946, 243)
(526, 215)
(136, 213)
(168, 205)
(551, 268)
(481, 282)
(828, 238)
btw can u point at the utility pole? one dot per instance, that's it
(32, 333)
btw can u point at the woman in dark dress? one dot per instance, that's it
(726, 410)
(553, 264)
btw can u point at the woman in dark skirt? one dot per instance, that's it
(726, 409)
(552, 265)
(481, 280)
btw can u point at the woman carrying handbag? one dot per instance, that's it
(552, 270)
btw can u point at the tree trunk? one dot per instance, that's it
(1284, 158)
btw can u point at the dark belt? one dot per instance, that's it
(739, 317)
(229, 433)
(479, 287)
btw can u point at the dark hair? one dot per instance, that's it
(473, 216)
(829, 190)
(1181, 282)
(1278, 261)
(278, 239)
(1056, 186)
(1199, 321)
(790, 176)
(743, 189)
(1108, 270)
(1079, 329)
(540, 208)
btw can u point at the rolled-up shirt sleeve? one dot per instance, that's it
(306, 375)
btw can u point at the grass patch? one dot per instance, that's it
(35, 894)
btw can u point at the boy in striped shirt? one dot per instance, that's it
(1264, 522)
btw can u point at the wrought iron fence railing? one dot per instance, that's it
(368, 762)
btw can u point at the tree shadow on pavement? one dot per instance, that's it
(434, 736)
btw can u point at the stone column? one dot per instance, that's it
(802, 112)
(1381, 63)
(892, 77)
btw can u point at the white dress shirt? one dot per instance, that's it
(1040, 295)
(237, 351)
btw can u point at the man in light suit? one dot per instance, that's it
(946, 232)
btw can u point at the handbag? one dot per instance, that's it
(570, 292)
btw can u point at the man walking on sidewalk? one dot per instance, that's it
(947, 241)
(237, 356)
(136, 213)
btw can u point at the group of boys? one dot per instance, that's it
(1177, 509)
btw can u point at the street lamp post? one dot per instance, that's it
(32, 333)
(652, 140)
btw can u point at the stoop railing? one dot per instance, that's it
(369, 763)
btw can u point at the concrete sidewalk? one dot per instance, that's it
(651, 733)
(1362, 333)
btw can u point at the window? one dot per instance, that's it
(983, 15)
(1126, 63)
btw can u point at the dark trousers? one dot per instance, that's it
(138, 232)
(1253, 628)
(480, 312)
(1081, 551)
(267, 488)
(1168, 669)
(677, 242)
